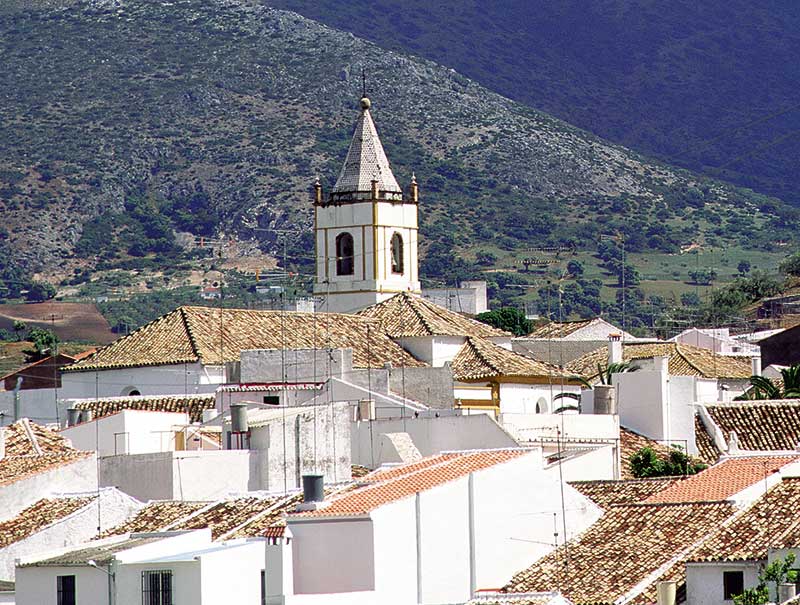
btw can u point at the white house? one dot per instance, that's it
(366, 231)
(718, 340)
(194, 350)
(180, 568)
(433, 531)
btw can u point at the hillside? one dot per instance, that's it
(124, 121)
(708, 86)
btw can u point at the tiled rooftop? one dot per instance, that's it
(407, 315)
(226, 516)
(723, 480)
(611, 493)
(25, 438)
(621, 550)
(385, 487)
(684, 360)
(191, 334)
(271, 522)
(101, 551)
(38, 516)
(706, 448)
(772, 522)
(759, 425)
(193, 405)
(560, 329)
(481, 359)
(156, 516)
(33, 449)
(366, 161)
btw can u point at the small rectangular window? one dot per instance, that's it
(65, 590)
(157, 587)
(272, 399)
(732, 584)
(263, 587)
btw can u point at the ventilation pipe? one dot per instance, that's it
(73, 416)
(666, 592)
(614, 348)
(756, 365)
(16, 398)
(313, 493)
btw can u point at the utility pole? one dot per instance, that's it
(619, 237)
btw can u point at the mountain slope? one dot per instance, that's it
(217, 115)
(707, 85)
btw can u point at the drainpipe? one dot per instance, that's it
(419, 548)
(473, 580)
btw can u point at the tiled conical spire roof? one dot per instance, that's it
(366, 161)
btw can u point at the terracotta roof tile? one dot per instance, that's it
(397, 484)
(32, 449)
(193, 405)
(190, 334)
(705, 444)
(406, 315)
(271, 522)
(684, 360)
(772, 522)
(226, 516)
(625, 546)
(480, 359)
(560, 329)
(37, 517)
(610, 493)
(759, 425)
(723, 480)
(24, 438)
(156, 516)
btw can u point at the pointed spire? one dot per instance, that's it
(366, 161)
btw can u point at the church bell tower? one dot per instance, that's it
(365, 229)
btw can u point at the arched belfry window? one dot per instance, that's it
(397, 253)
(344, 254)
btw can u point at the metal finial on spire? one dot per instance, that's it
(363, 82)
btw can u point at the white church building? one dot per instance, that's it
(366, 229)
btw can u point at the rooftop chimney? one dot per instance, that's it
(733, 442)
(786, 592)
(313, 493)
(757, 365)
(666, 592)
(614, 348)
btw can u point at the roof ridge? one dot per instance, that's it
(412, 303)
(471, 341)
(683, 356)
(192, 340)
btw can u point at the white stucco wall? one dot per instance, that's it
(523, 398)
(591, 463)
(80, 526)
(641, 397)
(704, 581)
(77, 476)
(178, 379)
(348, 543)
(233, 575)
(185, 475)
(187, 582)
(128, 432)
(395, 552)
(584, 427)
(430, 435)
(516, 506)
(37, 585)
(37, 404)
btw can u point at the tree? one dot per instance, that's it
(743, 267)
(509, 319)
(777, 572)
(40, 291)
(647, 463)
(19, 328)
(44, 341)
(690, 299)
(791, 265)
(575, 268)
(765, 388)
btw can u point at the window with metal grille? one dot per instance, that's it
(157, 587)
(65, 590)
(732, 584)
